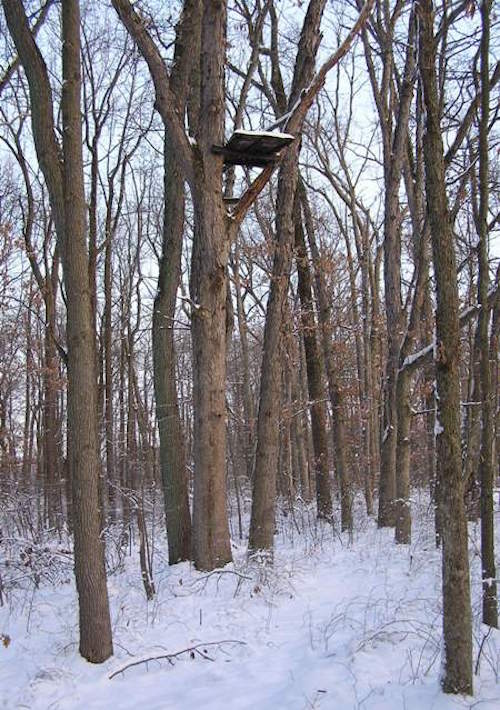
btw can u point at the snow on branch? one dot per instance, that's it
(424, 356)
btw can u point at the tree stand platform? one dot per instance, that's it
(253, 148)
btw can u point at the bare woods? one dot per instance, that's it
(247, 258)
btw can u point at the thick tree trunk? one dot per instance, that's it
(211, 547)
(211, 544)
(67, 197)
(172, 444)
(457, 667)
(95, 625)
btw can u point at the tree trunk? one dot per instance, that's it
(172, 444)
(28, 418)
(266, 458)
(394, 139)
(108, 376)
(211, 544)
(457, 667)
(248, 403)
(402, 506)
(314, 371)
(486, 466)
(95, 625)
(172, 441)
(67, 197)
(50, 418)
(472, 434)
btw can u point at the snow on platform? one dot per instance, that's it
(253, 148)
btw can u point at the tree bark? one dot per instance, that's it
(212, 231)
(486, 466)
(67, 197)
(457, 666)
(172, 444)
(211, 544)
(95, 624)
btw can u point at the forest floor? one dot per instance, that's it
(336, 623)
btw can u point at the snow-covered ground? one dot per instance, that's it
(336, 623)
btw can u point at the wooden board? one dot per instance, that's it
(253, 148)
(260, 142)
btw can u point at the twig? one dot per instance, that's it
(171, 656)
(219, 572)
(485, 637)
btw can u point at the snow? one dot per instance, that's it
(464, 315)
(267, 134)
(408, 361)
(194, 306)
(334, 624)
(286, 116)
(470, 310)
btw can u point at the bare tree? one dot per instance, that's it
(305, 87)
(66, 190)
(457, 673)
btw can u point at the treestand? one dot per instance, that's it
(253, 148)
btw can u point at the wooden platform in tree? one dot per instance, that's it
(231, 201)
(253, 148)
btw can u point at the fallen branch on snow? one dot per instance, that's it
(198, 649)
